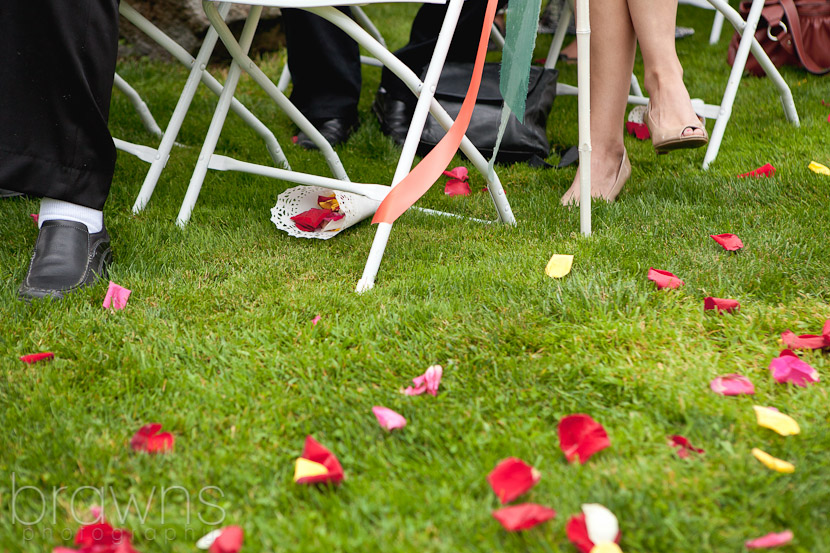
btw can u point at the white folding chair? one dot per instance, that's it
(158, 157)
(426, 104)
(717, 24)
(722, 112)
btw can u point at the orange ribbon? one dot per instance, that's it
(423, 176)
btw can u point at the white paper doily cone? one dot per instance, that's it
(302, 198)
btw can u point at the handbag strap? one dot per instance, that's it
(795, 31)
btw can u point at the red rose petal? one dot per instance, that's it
(458, 173)
(149, 439)
(35, 216)
(523, 516)
(765, 170)
(457, 187)
(825, 330)
(787, 367)
(580, 436)
(578, 533)
(37, 357)
(103, 538)
(512, 478)
(639, 130)
(721, 305)
(804, 341)
(664, 279)
(314, 451)
(295, 138)
(770, 540)
(229, 541)
(732, 385)
(684, 446)
(730, 242)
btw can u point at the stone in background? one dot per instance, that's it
(185, 22)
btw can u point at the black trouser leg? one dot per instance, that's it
(57, 61)
(325, 66)
(423, 37)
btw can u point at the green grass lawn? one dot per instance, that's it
(217, 343)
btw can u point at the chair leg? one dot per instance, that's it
(559, 36)
(139, 105)
(717, 28)
(218, 121)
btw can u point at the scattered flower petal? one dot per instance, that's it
(770, 540)
(512, 478)
(116, 297)
(765, 170)
(787, 367)
(732, 385)
(295, 138)
(684, 446)
(228, 541)
(577, 531)
(303, 468)
(388, 419)
(804, 341)
(523, 516)
(825, 330)
(207, 540)
(315, 320)
(600, 523)
(773, 462)
(776, 420)
(559, 265)
(35, 216)
(149, 439)
(730, 242)
(459, 173)
(427, 382)
(721, 304)
(316, 453)
(457, 187)
(638, 130)
(580, 436)
(606, 547)
(817, 167)
(664, 279)
(37, 357)
(100, 538)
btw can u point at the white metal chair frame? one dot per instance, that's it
(720, 113)
(426, 104)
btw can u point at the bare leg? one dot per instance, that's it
(654, 23)
(612, 60)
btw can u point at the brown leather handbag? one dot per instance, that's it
(792, 32)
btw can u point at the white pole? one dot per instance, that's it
(583, 46)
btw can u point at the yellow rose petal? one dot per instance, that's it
(772, 419)
(772, 462)
(816, 167)
(606, 547)
(305, 468)
(559, 265)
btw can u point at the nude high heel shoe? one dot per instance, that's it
(571, 197)
(665, 140)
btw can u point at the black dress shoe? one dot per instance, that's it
(66, 257)
(335, 131)
(9, 193)
(393, 115)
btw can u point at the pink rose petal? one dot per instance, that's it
(804, 341)
(787, 367)
(116, 297)
(770, 540)
(37, 357)
(458, 173)
(388, 419)
(315, 320)
(229, 541)
(732, 385)
(639, 130)
(729, 306)
(34, 216)
(684, 446)
(427, 382)
(730, 242)
(149, 438)
(664, 279)
(457, 187)
(766, 170)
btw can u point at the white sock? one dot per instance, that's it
(58, 209)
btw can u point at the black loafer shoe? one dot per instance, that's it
(9, 193)
(66, 257)
(393, 115)
(336, 131)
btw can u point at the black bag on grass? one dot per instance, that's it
(521, 142)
